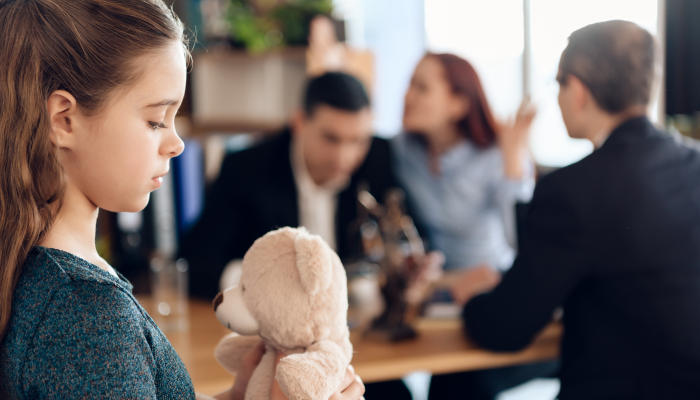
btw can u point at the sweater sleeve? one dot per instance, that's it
(90, 344)
(552, 260)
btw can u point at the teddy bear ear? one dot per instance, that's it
(313, 262)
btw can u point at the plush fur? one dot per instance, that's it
(293, 293)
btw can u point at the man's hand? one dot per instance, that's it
(427, 270)
(474, 281)
(351, 388)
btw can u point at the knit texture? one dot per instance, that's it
(76, 332)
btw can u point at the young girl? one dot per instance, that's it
(90, 89)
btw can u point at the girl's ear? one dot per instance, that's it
(62, 109)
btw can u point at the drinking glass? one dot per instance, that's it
(169, 285)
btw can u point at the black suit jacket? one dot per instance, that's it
(615, 240)
(256, 193)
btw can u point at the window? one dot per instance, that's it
(551, 23)
(491, 35)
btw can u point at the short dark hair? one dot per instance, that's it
(615, 60)
(335, 89)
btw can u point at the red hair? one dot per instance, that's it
(478, 125)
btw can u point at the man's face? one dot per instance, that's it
(335, 142)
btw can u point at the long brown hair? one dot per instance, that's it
(86, 47)
(478, 125)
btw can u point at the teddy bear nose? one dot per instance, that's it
(218, 300)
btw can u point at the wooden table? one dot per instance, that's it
(440, 348)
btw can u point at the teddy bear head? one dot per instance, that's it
(292, 292)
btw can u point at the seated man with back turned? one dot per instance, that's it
(614, 238)
(308, 175)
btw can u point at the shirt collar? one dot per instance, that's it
(637, 126)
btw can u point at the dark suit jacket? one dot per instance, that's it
(615, 240)
(256, 193)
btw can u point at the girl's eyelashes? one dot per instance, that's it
(156, 125)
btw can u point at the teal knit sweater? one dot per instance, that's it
(76, 332)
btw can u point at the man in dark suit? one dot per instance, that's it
(614, 238)
(307, 175)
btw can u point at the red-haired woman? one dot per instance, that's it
(463, 173)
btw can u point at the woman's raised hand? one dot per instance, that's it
(513, 140)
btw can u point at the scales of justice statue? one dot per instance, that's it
(391, 242)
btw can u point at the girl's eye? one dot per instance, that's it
(156, 125)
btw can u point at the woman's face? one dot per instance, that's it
(430, 106)
(119, 156)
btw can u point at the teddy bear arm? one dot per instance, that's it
(315, 374)
(261, 380)
(232, 348)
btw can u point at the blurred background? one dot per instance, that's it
(251, 61)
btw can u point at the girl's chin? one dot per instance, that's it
(129, 206)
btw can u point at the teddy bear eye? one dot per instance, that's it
(243, 288)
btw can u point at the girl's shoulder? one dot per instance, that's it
(55, 291)
(70, 315)
(51, 277)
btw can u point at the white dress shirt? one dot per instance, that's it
(317, 203)
(317, 208)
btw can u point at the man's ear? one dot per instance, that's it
(62, 109)
(298, 122)
(581, 96)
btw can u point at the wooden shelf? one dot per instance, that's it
(234, 91)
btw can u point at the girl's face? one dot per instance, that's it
(430, 105)
(117, 157)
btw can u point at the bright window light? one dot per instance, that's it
(490, 35)
(552, 21)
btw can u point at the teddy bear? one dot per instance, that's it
(292, 293)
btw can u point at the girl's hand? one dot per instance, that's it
(351, 388)
(513, 140)
(248, 364)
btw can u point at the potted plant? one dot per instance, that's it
(261, 25)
